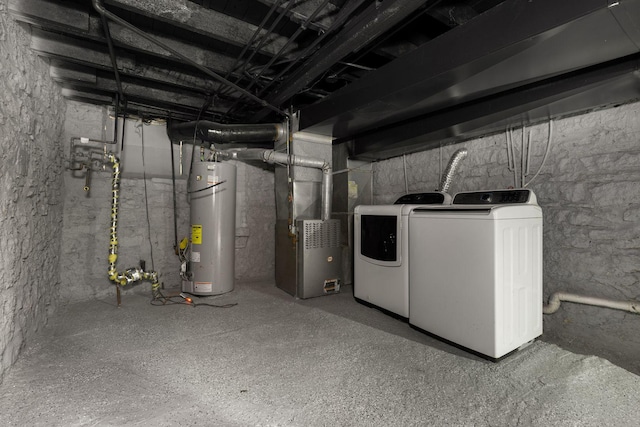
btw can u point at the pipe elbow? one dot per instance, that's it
(553, 305)
(98, 6)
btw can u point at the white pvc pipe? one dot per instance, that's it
(556, 298)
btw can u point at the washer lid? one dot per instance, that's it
(479, 212)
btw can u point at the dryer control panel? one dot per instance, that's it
(495, 197)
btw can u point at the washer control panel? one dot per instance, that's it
(434, 198)
(495, 197)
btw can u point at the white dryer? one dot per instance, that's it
(381, 245)
(475, 274)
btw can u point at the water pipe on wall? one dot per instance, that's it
(130, 275)
(557, 297)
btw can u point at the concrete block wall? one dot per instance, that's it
(85, 238)
(589, 190)
(255, 222)
(86, 222)
(31, 187)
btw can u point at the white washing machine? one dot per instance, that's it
(475, 277)
(381, 245)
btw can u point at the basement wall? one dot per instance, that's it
(87, 220)
(589, 190)
(31, 117)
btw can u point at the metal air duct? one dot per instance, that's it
(220, 133)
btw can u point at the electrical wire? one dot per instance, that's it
(161, 300)
(546, 152)
(124, 122)
(206, 188)
(175, 203)
(205, 105)
(146, 197)
(404, 168)
(514, 166)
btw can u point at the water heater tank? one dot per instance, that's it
(213, 226)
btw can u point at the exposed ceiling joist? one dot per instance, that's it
(502, 51)
(554, 97)
(301, 11)
(358, 33)
(200, 20)
(384, 76)
(43, 14)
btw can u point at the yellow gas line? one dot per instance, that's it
(130, 275)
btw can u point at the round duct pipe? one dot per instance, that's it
(220, 133)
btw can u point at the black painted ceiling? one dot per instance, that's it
(386, 77)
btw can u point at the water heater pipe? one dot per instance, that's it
(557, 297)
(271, 157)
(226, 133)
(451, 168)
(130, 275)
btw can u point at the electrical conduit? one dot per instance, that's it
(131, 275)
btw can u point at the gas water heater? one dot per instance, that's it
(212, 194)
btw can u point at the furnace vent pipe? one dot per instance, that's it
(557, 297)
(271, 157)
(219, 133)
(451, 169)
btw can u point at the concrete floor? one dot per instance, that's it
(274, 360)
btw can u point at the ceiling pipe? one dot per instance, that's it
(219, 133)
(274, 6)
(99, 7)
(273, 157)
(112, 56)
(341, 18)
(294, 36)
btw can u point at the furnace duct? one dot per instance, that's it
(219, 133)
(451, 169)
(273, 157)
